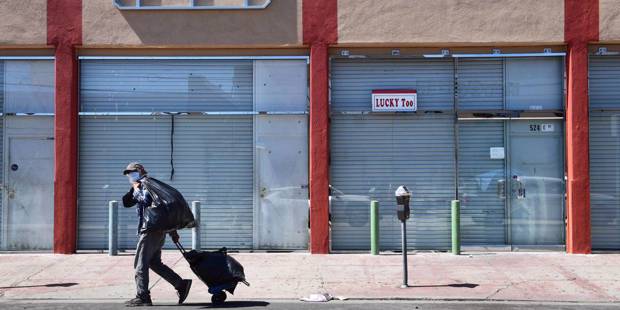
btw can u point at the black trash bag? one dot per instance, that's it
(216, 269)
(169, 210)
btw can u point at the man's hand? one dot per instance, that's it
(175, 236)
(136, 185)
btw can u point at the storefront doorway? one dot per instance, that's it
(29, 189)
(536, 191)
(511, 182)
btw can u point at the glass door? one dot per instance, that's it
(536, 182)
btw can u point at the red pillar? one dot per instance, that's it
(319, 30)
(581, 27)
(319, 149)
(64, 32)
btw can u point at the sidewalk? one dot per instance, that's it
(441, 276)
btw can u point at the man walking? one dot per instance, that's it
(150, 243)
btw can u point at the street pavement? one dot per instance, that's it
(30, 279)
(340, 305)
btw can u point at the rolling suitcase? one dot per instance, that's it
(217, 270)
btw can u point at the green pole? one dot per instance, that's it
(456, 227)
(374, 227)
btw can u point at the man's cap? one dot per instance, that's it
(134, 166)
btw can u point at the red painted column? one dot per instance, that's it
(64, 32)
(319, 30)
(581, 27)
(319, 149)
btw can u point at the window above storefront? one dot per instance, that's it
(192, 4)
(27, 85)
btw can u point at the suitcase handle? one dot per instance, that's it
(180, 247)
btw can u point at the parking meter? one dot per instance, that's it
(402, 203)
(403, 195)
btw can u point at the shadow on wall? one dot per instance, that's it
(277, 24)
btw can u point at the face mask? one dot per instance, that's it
(133, 177)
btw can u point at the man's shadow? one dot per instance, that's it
(231, 304)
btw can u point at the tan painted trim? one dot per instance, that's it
(450, 44)
(203, 47)
(192, 52)
(420, 51)
(21, 51)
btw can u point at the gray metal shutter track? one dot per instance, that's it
(605, 179)
(604, 82)
(353, 82)
(1, 146)
(210, 153)
(480, 84)
(166, 85)
(370, 157)
(482, 211)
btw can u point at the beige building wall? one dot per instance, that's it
(609, 20)
(277, 25)
(450, 21)
(23, 22)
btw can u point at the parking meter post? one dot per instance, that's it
(403, 196)
(456, 227)
(112, 228)
(374, 227)
(196, 229)
(404, 245)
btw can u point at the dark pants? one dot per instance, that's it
(148, 255)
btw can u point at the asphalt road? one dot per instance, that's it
(334, 305)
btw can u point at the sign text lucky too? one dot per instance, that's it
(394, 100)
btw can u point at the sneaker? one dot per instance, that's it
(139, 302)
(183, 290)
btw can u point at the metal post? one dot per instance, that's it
(456, 227)
(196, 229)
(374, 227)
(112, 228)
(405, 271)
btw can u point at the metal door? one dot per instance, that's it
(604, 79)
(29, 193)
(282, 181)
(536, 190)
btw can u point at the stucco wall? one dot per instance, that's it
(23, 22)
(450, 21)
(609, 20)
(277, 25)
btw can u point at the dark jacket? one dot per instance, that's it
(143, 200)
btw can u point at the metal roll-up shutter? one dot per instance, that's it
(107, 144)
(213, 158)
(354, 79)
(214, 163)
(604, 91)
(605, 179)
(480, 84)
(371, 155)
(604, 82)
(161, 85)
(480, 179)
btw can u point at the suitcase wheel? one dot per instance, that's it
(218, 298)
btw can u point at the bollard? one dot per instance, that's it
(456, 227)
(196, 229)
(374, 227)
(112, 228)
